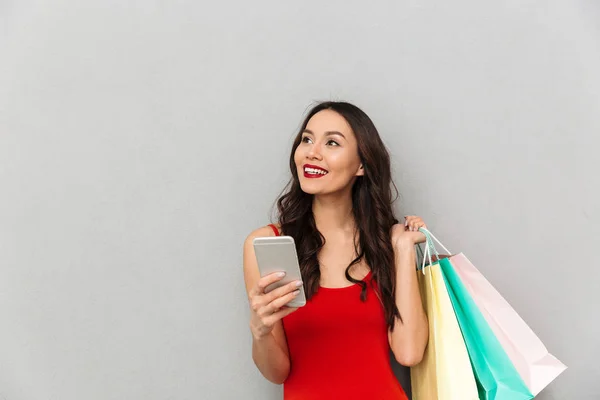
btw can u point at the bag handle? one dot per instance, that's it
(426, 256)
(430, 248)
(431, 239)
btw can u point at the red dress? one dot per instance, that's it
(339, 348)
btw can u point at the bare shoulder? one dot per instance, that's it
(263, 231)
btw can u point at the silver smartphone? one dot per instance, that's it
(276, 254)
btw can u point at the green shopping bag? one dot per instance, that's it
(496, 376)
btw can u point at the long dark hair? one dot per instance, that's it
(371, 207)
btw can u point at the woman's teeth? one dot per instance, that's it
(314, 171)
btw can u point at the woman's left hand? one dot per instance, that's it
(409, 231)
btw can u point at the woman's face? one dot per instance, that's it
(327, 158)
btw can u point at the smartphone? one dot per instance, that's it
(277, 254)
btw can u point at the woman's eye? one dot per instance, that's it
(306, 139)
(332, 143)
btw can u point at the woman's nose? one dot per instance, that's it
(314, 153)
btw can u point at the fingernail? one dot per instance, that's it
(281, 274)
(296, 292)
(298, 283)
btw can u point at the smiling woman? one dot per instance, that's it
(323, 144)
(357, 265)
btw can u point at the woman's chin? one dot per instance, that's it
(309, 187)
(308, 190)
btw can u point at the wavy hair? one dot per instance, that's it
(371, 208)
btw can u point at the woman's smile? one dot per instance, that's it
(313, 171)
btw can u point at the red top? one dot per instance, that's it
(339, 347)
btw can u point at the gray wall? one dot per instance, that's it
(140, 142)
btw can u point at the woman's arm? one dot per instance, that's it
(409, 337)
(269, 346)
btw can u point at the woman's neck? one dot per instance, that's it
(333, 213)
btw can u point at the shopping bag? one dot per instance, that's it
(536, 366)
(496, 376)
(445, 372)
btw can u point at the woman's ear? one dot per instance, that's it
(361, 171)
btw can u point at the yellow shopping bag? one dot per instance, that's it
(445, 372)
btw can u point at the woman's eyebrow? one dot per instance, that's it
(328, 133)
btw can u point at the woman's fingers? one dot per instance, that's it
(282, 291)
(413, 223)
(265, 281)
(279, 302)
(267, 315)
(266, 304)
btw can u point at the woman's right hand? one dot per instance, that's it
(268, 308)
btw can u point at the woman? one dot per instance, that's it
(357, 263)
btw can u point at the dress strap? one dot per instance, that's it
(274, 229)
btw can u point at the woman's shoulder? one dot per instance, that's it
(263, 231)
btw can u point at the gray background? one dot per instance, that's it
(141, 141)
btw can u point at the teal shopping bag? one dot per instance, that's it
(496, 376)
